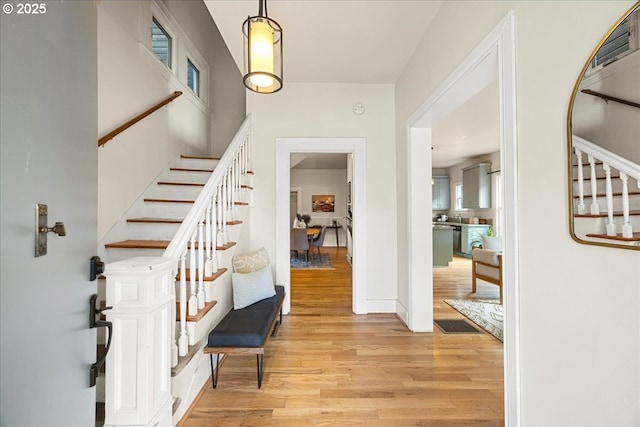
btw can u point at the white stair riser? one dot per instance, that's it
(183, 176)
(165, 210)
(198, 163)
(634, 203)
(601, 186)
(211, 288)
(180, 192)
(598, 225)
(119, 254)
(151, 231)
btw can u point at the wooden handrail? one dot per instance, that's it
(610, 98)
(136, 119)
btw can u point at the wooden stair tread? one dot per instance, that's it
(185, 184)
(236, 222)
(604, 215)
(139, 244)
(191, 170)
(201, 313)
(182, 156)
(156, 220)
(211, 278)
(247, 187)
(154, 244)
(618, 237)
(631, 193)
(169, 201)
(241, 203)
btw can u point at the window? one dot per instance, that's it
(161, 43)
(459, 197)
(193, 77)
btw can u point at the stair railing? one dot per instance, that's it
(204, 230)
(626, 168)
(108, 137)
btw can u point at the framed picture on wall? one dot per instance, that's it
(323, 203)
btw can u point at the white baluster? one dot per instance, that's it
(220, 237)
(627, 229)
(611, 226)
(595, 209)
(581, 207)
(225, 206)
(183, 340)
(214, 236)
(208, 266)
(193, 300)
(174, 332)
(200, 295)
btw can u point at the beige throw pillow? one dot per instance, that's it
(250, 262)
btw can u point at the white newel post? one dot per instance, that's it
(138, 365)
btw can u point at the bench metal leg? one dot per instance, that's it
(215, 370)
(260, 359)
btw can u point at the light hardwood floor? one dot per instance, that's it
(329, 367)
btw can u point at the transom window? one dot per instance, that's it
(161, 43)
(193, 77)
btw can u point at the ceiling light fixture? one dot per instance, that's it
(262, 52)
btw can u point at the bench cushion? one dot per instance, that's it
(249, 326)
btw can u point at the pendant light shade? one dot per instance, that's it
(262, 52)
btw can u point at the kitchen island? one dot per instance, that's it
(442, 245)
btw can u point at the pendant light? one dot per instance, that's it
(262, 52)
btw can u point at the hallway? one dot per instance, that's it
(328, 366)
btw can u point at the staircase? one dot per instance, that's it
(187, 223)
(606, 188)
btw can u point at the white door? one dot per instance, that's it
(48, 155)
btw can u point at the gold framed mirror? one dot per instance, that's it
(603, 133)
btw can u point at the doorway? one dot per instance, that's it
(355, 146)
(450, 94)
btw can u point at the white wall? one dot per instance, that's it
(131, 79)
(323, 181)
(579, 305)
(325, 110)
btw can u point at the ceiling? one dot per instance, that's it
(359, 41)
(334, 41)
(471, 130)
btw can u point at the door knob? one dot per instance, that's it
(42, 229)
(58, 229)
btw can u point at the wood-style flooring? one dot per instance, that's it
(330, 367)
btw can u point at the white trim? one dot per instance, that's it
(356, 146)
(444, 99)
(381, 306)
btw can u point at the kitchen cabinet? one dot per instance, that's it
(476, 186)
(442, 245)
(440, 200)
(470, 235)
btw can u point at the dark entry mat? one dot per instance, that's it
(455, 326)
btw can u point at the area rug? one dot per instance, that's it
(323, 263)
(487, 314)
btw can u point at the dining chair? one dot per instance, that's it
(300, 242)
(319, 241)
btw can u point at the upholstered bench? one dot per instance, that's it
(246, 331)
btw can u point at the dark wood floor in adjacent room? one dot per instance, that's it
(330, 367)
